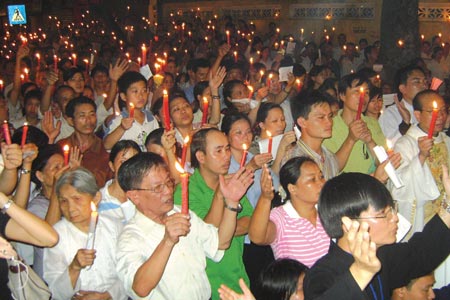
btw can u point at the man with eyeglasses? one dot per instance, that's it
(396, 119)
(161, 251)
(365, 262)
(211, 156)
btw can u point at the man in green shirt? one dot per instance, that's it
(358, 135)
(210, 156)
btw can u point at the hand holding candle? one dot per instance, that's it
(434, 116)
(6, 133)
(184, 177)
(131, 110)
(362, 95)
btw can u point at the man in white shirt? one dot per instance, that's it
(162, 251)
(396, 119)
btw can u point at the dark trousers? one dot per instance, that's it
(256, 258)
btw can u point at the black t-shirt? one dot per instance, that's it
(5, 293)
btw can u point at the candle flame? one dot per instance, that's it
(250, 88)
(165, 92)
(270, 76)
(361, 90)
(434, 105)
(269, 134)
(186, 140)
(179, 168)
(93, 207)
(131, 105)
(205, 100)
(66, 148)
(244, 146)
(297, 81)
(389, 144)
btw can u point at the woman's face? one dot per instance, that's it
(76, 206)
(77, 83)
(168, 82)
(181, 112)
(240, 133)
(47, 175)
(308, 185)
(275, 122)
(239, 91)
(375, 105)
(122, 157)
(275, 84)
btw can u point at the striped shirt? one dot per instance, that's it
(296, 237)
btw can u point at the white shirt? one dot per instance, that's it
(138, 132)
(66, 129)
(390, 119)
(100, 277)
(184, 276)
(113, 208)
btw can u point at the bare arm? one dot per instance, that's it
(223, 50)
(115, 72)
(214, 83)
(23, 188)
(21, 53)
(52, 78)
(113, 137)
(12, 159)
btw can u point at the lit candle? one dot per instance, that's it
(24, 134)
(269, 81)
(184, 177)
(228, 37)
(74, 59)
(144, 54)
(235, 56)
(166, 110)
(66, 151)
(269, 148)
(205, 111)
(131, 110)
(250, 92)
(27, 76)
(389, 146)
(400, 43)
(251, 62)
(6, 133)
(261, 74)
(434, 116)
(55, 63)
(38, 57)
(362, 95)
(92, 226)
(244, 155)
(299, 85)
(1, 86)
(184, 152)
(87, 65)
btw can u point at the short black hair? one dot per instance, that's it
(232, 118)
(199, 144)
(290, 171)
(122, 145)
(302, 104)
(347, 81)
(69, 73)
(128, 78)
(348, 195)
(417, 101)
(154, 137)
(200, 63)
(35, 136)
(402, 75)
(70, 107)
(44, 154)
(99, 69)
(133, 171)
(200, 87)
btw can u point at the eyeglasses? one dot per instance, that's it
(442, 110)
(391, 211)
(158, 189)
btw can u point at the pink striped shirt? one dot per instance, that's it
(296, 237)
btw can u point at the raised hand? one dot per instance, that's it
(266, 184)
(236, 185)
(176, 225)
(12, 156)
(168, 140)
(75, 157)
(260, 159)
(126, 123)
(52, 78)
(425, 144)
(226, 293)
(404, 112)
(224, 49)
(118, 69)
(48, 126)
(215, 80)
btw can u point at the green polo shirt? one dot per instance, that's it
(231, 267)
(360, 159)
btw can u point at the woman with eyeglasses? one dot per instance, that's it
(82, 265)
(365, 262)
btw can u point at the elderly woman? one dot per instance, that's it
(73, 269)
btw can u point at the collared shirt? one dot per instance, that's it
(100, 277)
(112, 207)
(232, 265)
(390, 119)
(137, 132)
(184, 276)
(360, 159)
(95, 158)
(327, 163)
(297, 237)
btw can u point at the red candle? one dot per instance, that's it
(269, 148)
(184, 153)
(205, 111)
(244, 155)
(184, 177)
(166, 110)
(27, 76)
(131, 110)
(1, 86)
(269, 81)
(250, 93)
(38, 57)
(362, 95)
(24, 134)
(6, 133)
(235, 56)
(87, 65)
(228, 37)
(144, 54)
(299, 85)
(66, 151)
(74, 59)
(55, 63)
(251, 62)
(433, 120)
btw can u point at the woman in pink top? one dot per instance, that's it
(293, 230)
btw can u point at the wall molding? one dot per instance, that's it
(340, 11)
(435, 12)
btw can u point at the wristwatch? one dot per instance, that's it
(237, 209)
(24, 171)
(446, 205)
(7, 205)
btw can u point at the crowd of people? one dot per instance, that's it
(217, 162)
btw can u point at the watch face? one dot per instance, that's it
(239, 208)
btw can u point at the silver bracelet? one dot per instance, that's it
(7, 205)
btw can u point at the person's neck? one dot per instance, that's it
(185, 130)
(304, 210)
(32, 120)
(116, 191)
(409, 101)
(84, 227)
(348, 115)
(372, 115)
(211, 179)
(84, 140)
(237, 154)
(314, 143)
